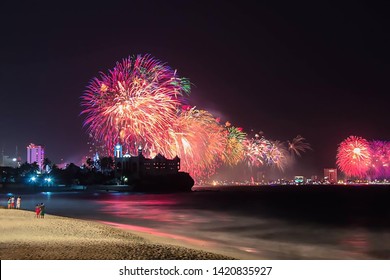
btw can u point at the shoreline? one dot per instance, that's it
(25, 237)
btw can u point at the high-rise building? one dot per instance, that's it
(330, 175)
(35, 154)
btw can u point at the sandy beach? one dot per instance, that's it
(23, 236)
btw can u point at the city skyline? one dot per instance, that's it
(325, 80)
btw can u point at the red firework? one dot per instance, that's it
(354, 156)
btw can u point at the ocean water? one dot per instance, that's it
(285, 222)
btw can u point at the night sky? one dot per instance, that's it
(318, 69)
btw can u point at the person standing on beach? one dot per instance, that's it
(38, 211)
(18, 201)
(9, 202)
(12, 202)
(42, 212)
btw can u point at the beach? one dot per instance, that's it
(25, 237)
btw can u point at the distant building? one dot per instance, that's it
(299, 179)
(141, 166)
(314, 178)
(10, 161)
(330, 175)
(35, 154)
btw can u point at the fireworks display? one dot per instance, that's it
(142, 102)
(256, 150)
(353, 156)
(298, 146)
(360, 158)
(260, 151)
(380, 160)
(277, 155)
(234, 149)
(199, 140)
(135, 103)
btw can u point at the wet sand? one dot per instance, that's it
(23, 236)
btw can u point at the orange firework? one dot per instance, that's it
(199, 140)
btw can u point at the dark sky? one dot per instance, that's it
(319, 69)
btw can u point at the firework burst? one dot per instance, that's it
(259, 151)
(255, 148)
(298, 146)
(380, 160)
(277, 155)
(135, 103)
(199, 140)
(234, 150)
(354, 157)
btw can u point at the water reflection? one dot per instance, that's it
(157, 211)
(358, 242)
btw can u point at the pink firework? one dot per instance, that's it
(354, 157)
(255, 150)
(277, 155)
(380, 160)
(134, 104)
(260, 151)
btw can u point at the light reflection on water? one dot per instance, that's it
(157, 209)
(252, 226)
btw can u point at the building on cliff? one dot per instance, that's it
(141, 166)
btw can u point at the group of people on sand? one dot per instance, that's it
(40, 210)
(15, 204)
(11, 202)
